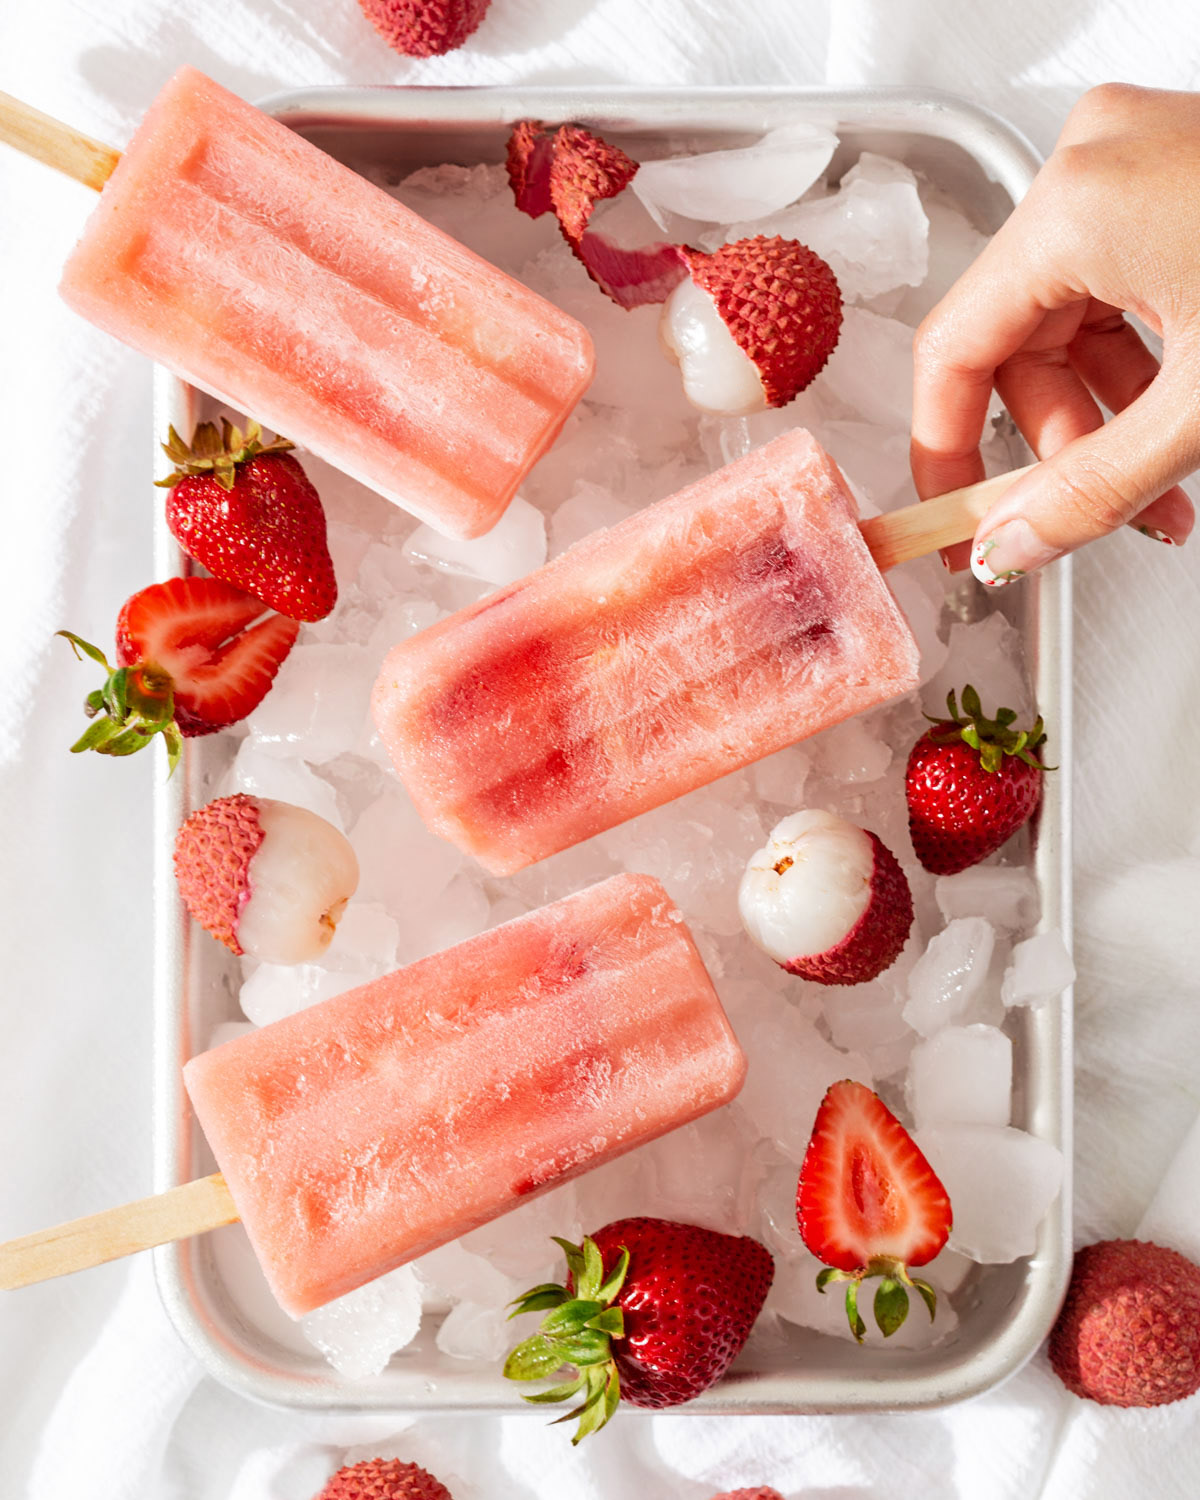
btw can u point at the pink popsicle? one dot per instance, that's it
(707, 631)
(255, 266)
(370, 1128)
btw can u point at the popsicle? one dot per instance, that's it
(252, 264)
(359, 1133)
(712, 628)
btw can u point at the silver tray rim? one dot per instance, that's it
(1010, 162)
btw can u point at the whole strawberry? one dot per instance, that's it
(971, 783)
(653, 1313)
(384, 1479)
(194, 655)
(869, 1204)
(1129, 1331)
(247, 511)
(424, 28)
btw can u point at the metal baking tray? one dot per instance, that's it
(985, 167)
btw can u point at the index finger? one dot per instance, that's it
(988, 314)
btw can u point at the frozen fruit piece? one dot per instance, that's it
(425, 28)
(700, 634)
(826, 900)
(1129, 1330)
(384, 1479)
(193, 655)
(246, 260)
(246, 509)
(373, 1127)
(869, 1204)
(971, 783)
(780, 306)
(653, 1312)
(264, 877)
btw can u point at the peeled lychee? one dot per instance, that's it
(826, 900)
(779, 304)
(1129, 1330)
(424, 28)
(264, 877)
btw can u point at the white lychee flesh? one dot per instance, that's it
(805, 892)
(717, 375)
(301, 878)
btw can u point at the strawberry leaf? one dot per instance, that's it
(570, 1317)
(533, 1359)
(857, 1327)
(891, 1305)
(928, 1296)
(608, 1292)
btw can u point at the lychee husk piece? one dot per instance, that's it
(578, 1331)
(992, 738)
(891, 1295)
(136, 703)
(216, 452)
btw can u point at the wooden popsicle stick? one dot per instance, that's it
(49, 140)
(917, 530)
(174, 1215)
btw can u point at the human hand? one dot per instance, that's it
(1111, 225)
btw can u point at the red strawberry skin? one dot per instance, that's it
(689, 1301)
(958, 813)
(781, 303)
(761, 1492)
(424, 28)
(874, 942)
(266, 535)
(866, 1192)
(384, 1479)
(202, 631)
(213, 851)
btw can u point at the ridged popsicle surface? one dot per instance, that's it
(372, 1127)
(705, 632)
(257, 267)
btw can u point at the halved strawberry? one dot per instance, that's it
(869, 1204)
(194, 655)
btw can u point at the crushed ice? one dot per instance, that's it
(931, 1024)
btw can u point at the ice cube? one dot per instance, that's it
(451, 1273)
(790, 1067)
(588, 508)
(922, 614)
(722, 187)
(317, 706)
(947, 985)
(228, 1031)
(954, 243)
(460, 912)
(520, 1244)
(401, 865)
(863, 1016)
(364, 942)
(780, 777)
(961, 1075)
(515, 545)
(703, 1176)
(873, 231)
(989, 655)
(481, 1331)
(850, 752)
(359, 1333)
(870, 374)
(260, 773)
(400, 619)
(273, 991)
(474, 205)
(875, 461)
(1008, 897)
(1040, 970)
(1001, 1183)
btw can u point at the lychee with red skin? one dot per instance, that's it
(425, 28)
(264, 877)
(1129, 1330)
(384, 1479)
(827, 900)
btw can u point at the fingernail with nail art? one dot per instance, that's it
(1157, 536)
(1011, 551)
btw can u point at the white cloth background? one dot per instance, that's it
(100, 1400)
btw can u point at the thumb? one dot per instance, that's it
(1095, 485)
